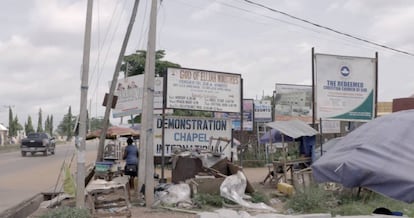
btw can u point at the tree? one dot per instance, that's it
(67, 124)
(16, 126)
(28, 127)
(11, 126)
(51, 125)
(136, 63)
(96, 123)
(39, 122)
(47, 124)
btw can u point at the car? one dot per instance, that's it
(38, 142)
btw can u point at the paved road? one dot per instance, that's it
(23, 177)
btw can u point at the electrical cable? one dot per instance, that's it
(329, 29)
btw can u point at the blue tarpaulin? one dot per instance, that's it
(377, 155)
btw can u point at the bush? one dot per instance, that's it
(67, 212)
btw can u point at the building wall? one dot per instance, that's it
(384, 108)
(400, 104)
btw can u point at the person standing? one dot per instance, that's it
(131, 158)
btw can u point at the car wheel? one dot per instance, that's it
(23, 154)
(45, 153)
(52, 151)
(32, 153)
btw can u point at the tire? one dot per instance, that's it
(32, 153)
(45, 153)
(23, 153)
(52, 151)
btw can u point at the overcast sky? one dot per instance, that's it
(41, 44)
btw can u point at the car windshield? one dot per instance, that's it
(33, 135)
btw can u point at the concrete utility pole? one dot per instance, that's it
(80, 176)
(102, 138)
(147, 140)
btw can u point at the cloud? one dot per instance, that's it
(206, 12)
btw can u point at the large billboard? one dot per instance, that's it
(203, 90)
(248, 116)
(344, 87)
(130, 92)
(191, 133)
(293, 102)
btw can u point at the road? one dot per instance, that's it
(23, 177)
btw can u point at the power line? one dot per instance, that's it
(329, 29)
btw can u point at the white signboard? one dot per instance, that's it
(344, 87)
(330, 126)
(262, 111)
(130, 92)
(203, 90)
(191, 133)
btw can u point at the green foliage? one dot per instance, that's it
(208, 199)
(12, 131)
(258, 197)
(39, 122)
(67, 125)
(96, 123)
(351, 204)
(28, 127)
(312, 200)
(16, 126)
(343, 203)
(253, 163)
(67, 212)
(136, 63)
(137, 119)
(49, 124)
(8, 148)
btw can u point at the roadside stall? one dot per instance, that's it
(290, 132)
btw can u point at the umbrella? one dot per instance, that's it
(274, 136)
(113, 132)
(377, 155)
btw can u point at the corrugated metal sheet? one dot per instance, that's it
(293, 128)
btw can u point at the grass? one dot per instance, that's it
(67, 212)
(9, 148)
(345, 203)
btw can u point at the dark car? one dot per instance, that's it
(38, 142)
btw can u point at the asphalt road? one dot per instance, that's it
(23, 177)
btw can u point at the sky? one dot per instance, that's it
(41, 45)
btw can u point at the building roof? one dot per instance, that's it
(3, 128)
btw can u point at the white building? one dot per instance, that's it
(3, 134)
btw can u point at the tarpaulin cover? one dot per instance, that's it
(378, 155)
(273, 136)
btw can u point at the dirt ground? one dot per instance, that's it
(254, 176)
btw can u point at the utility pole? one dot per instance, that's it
(147, 141)
(80, 176)
(113, 83)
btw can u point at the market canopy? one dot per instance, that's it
(292, 128)
(113, 132)
(377, 155)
